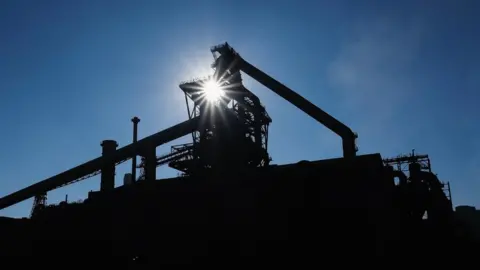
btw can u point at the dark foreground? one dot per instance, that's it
(299, 213)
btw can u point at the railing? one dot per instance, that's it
(172, 157)
(197, 79)
(95, 173)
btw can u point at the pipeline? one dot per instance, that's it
(229, 62)
(94, 165)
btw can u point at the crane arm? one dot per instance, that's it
(91, 166)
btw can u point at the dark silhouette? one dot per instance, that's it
(229, 202)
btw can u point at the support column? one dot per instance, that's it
(150, 155)
(107, 181)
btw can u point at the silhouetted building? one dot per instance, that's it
(469, 218)
(230, 202)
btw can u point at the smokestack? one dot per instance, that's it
(135, 121)
(107, 181)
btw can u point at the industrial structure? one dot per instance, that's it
(228, 190)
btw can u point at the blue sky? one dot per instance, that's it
(403, 74)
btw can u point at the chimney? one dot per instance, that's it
(135, 121)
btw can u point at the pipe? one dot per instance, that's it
(347, 135)
(94, 165)
(135, 121)
(232, 61)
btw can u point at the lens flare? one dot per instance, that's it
(212, 90)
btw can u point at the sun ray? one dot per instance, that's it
(212, 90)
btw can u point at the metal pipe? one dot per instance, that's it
(231, 61)
(347, 135)
(94, 165)
(135, 121)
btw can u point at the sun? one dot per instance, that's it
(212, 90)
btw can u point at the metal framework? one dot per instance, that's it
(143, 147)
(240, 136)
(228, 62)
(39, 203)
(234, 126)
(402, 162)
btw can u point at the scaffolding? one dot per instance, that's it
(236, 125)
(39, 203)
(402, 162)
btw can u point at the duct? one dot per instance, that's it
(231, 61)
(94, 165)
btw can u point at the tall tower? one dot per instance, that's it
(233, 130)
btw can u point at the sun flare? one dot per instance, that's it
(212, 90)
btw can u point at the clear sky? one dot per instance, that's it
(403, 74)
